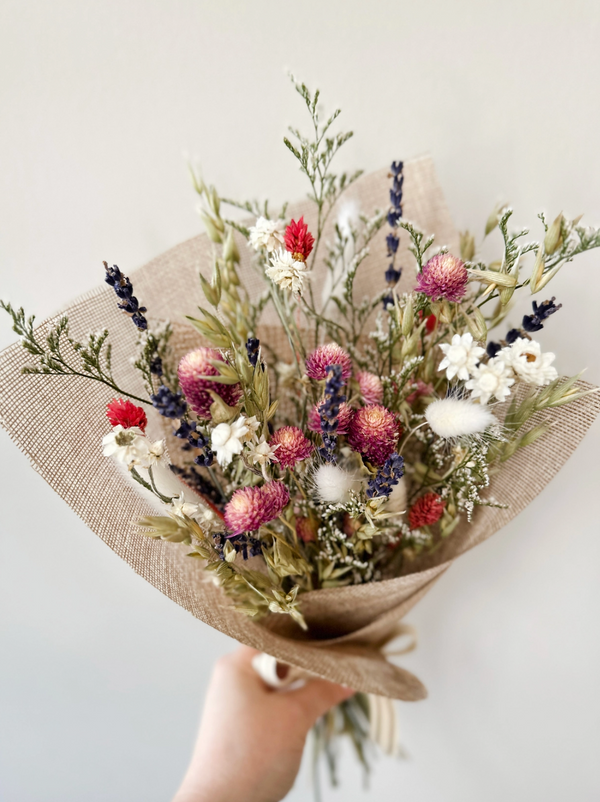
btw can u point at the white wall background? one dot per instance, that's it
(101, 678)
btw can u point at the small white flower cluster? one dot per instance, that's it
(522, 360)
(132, 448)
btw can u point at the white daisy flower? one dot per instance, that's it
(131, 447)
(287, 272)
(262, 453)
(227, 440)
(461, 356)
(491, 380)
(182, 507)
(526, 359)
(267, 234)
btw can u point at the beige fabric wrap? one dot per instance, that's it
(59, 422)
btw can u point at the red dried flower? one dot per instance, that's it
(426, 510)
(298, 240)
(306, 529)
(430, 323)
(123, 413)
(293, 446)
(374, 432)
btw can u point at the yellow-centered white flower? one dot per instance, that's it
(461, 355)
(267, 234)
(526, 359)
(287, 272)
(491, 380)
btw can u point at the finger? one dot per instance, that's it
(318, 696)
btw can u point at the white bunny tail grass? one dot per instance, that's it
(453, 418)
(333, 484)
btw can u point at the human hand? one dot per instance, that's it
(251, 737)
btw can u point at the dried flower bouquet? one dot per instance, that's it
(349, 440)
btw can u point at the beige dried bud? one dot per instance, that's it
(553, 239)
(211, 228)
(408, 317)
(494, 218)
(477, 325)
(467, 246)
(230, 248)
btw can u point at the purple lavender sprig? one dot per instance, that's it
(387, 477)
(329, 411)
(392, 274)
(124, 291)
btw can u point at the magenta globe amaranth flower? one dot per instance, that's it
(251, 507)
(192, 368)
(444, 277)
(324, 356)
(291, 446)
(343, 419)
(374, 433)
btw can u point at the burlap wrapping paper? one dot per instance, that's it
(59, 423)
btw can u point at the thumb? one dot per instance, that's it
(318, 696)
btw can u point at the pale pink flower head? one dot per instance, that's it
(325, 355)
(344, 418)
(292, 446)
(370, 387)
(421, 388)
(444, 277)
(251, 507)
(191, 368)
(374, 433)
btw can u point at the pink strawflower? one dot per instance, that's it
(325, 355)
(370, 387)
(306, 529)
(251, 507)
(292, 446)
(374, 432)
(298, 240)
(123, 413)
(444, 277)
(191, 368)
(344, 418)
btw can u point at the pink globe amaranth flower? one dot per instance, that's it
(374, 432)
(191, 368)
(444, 277)
(293, 446)
(370, 387)
(325, 355)
(344, 418)
(251, 507)
(306, 529)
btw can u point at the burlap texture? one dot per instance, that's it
(59, 422)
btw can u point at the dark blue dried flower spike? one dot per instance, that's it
(168, 403)
(252, 349)
(329, 411)
(247, 545)
(195, 439)
(387, 477)
(541, 312)
(392, 274)
(124, 291)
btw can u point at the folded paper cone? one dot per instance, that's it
(348, 626)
